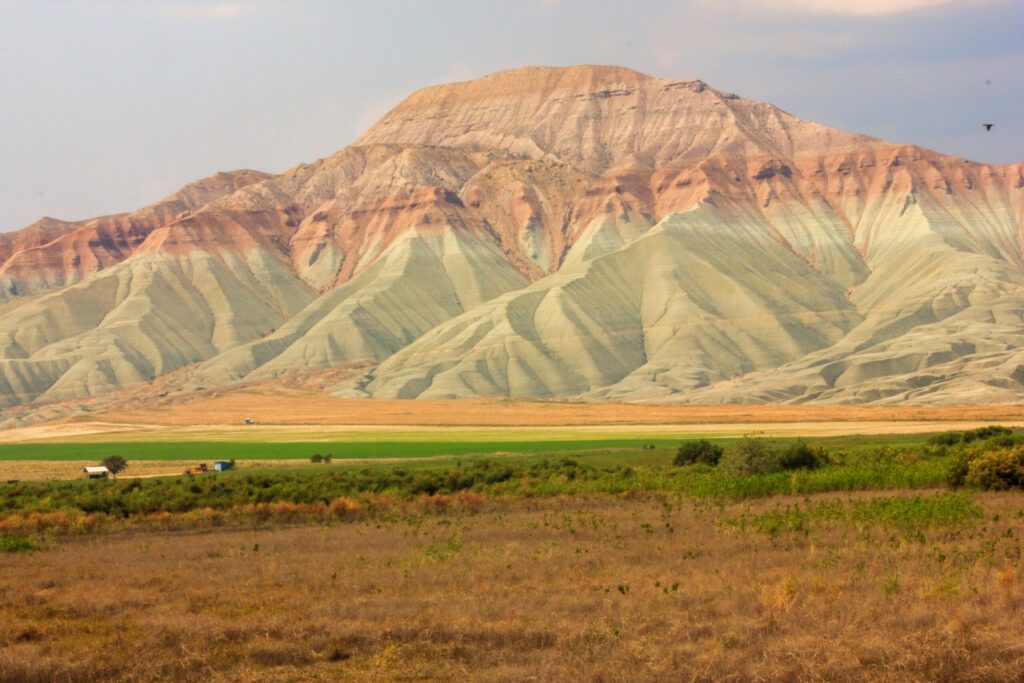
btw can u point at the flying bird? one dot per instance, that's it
(988, 126)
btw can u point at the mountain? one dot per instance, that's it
(587, 232)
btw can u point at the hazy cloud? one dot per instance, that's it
(206, 10)
(853, 8)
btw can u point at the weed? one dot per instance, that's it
(17, 544)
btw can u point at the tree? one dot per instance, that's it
(115, 463)
(693, 452)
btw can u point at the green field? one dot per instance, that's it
(241, 450)
(387, 448)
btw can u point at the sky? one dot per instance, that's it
(109, 105)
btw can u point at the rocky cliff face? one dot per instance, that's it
(588, 232)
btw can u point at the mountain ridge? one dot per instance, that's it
(586, 232)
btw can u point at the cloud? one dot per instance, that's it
(855, 8)
(206, 10)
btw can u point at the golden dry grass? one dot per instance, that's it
(282, 406)
(568, 589)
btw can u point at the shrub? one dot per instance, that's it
(957, 472)
(800, 456)
(698, 452)
(344, 507)
(750, 456)
(316, 457)
(945, 439)
(1009, 440)
(997, 470)
(757, 456)
(984, 433)
(979, 434)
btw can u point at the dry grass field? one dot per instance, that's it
(284, 406)
(833, 587)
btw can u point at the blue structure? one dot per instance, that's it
(222, 465)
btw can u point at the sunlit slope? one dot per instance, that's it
(423, 279)
(944, 318)
(700, 297)
(923, 301)
(139, 319)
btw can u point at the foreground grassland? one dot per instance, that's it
(636, 587)
(838, 559)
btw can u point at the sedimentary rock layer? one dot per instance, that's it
(553, 232)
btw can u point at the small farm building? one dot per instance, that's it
(222, 465)
(96, 472)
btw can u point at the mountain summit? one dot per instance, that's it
(594, 117)
(584, 232)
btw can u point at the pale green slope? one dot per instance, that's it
(701, 296)
(141, 318)
(943, 323)
(423, 279)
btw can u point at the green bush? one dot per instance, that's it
(16, 544)
(701, 452)
(754, 456)
(800, 456)
(974, 448)
(985, 433)
(750, 456)
(970, 436)
(945, 439)
(997, 470)
(957, 473)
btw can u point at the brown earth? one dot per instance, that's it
(598, 590)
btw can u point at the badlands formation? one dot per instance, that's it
(586, 232)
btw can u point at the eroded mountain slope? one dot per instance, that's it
(587, 231)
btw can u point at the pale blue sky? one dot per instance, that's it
(111, 104)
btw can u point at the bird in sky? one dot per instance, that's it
(988, 126)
